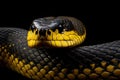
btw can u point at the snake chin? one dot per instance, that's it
(53, 43)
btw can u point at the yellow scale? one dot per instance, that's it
(33, 72)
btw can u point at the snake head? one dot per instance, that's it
(56, 32)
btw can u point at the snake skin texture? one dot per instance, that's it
(96, 62)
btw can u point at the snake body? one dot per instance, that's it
(101, 61)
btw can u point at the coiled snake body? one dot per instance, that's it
(47, 52)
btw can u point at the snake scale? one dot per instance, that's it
(37, 57)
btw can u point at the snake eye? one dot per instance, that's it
(60, 28)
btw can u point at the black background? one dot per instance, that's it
(100, 18)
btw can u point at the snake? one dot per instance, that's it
(52, 50)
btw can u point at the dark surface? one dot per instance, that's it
(100, 28)
(101, 21)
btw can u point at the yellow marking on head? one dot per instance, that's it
(54, 36)
(110, 68)
(56, 39)
(105, 74)
(57, 43)
(64, 44)
(66, 39)
(86, 71)
(117, 72)
(98, 70)
(49, 37)
(59, 37)
(32, 38)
